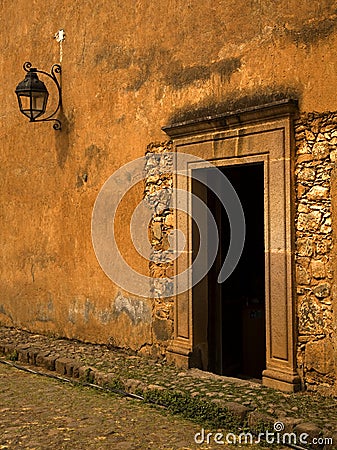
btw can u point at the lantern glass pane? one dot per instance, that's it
(33, 104)
(24, 104)
(37, 104)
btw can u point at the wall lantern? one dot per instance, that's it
(33, 95)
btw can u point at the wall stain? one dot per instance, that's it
(115, 56)
(89, 173)
(313, 31)
(5, 313)
(237, 100)
(163, 64)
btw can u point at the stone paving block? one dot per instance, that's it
(23, 355)
(76, 370)
(256, 419)
(9, 349)
(155, 387)
(100, 378)
(39, 358)
(239, 411)
(84, 372)
(309, 428)
(290, 423)
(48, 362)
(251, 401)
(32, 354)
(132, 385)
(69, 367)
(63, 366)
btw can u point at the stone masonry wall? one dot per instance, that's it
(158, 195)
(316, 153)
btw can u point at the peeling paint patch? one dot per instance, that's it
(85, 310)
(136, 310)
(5, 313)
(44, 311)
(2, 310)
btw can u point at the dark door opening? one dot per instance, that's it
(236, 308)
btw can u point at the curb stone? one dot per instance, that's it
(240, 408)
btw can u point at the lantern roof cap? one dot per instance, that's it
(31, 83)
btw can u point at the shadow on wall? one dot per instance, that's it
(237, 100)
(62, 140)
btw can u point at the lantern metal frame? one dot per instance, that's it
(55, 69)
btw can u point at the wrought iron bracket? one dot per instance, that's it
(55, 69)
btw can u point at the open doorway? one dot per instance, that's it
(236, 308)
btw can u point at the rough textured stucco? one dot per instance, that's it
(128, 68)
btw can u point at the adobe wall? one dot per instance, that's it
(129, 68)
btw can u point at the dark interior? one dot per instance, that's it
(236, 308)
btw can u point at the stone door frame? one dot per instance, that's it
(259, 134)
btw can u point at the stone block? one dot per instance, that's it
(257, 420)
(320, 150)
(9, 349)
(132, 385)
(61, 365)
(23, 355)
(310, 316)
(44, 359)
(155, 387)
(312, 430)
(305, 247)
(39, 358)
(318, 269)
(49, 362)
(302, 275)
(301, 190)
(290, 423)
(76, 370)
(310, 221)
(333, 155)
(309, 135)
(84, 372)
(317, 193)
(100, 378)
(69, 366)
(162, 329)
(306, 174)
(32, 354)
(322, 290)
(240, 412)
(319, 356)
(323, 246)
(157, 230)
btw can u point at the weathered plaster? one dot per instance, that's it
(129, 68)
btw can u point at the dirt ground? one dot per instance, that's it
(41, 413)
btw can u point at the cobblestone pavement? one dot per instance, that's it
(40, 413)
(217, 402)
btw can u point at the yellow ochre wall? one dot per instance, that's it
(128, 69)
